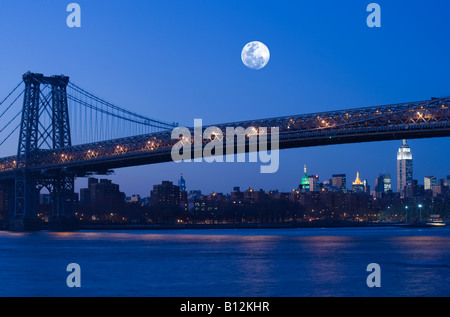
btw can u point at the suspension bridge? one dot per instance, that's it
(65, 132)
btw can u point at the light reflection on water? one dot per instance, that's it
(226, 262)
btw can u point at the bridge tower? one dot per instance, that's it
(44, 125)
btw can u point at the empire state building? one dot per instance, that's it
(404, 167)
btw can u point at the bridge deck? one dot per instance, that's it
(423, 119)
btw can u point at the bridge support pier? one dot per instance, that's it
(61, 187)
(35, 134)
(24, 217)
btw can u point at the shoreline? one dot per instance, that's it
(297, 225)
(252, 226)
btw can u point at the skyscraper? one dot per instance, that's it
(357, 185)
(304, 185)
(182, 183)
(404, 167)
(314, 183)
(429, 182)
(339, 182)
(366, 186)
(382, 184)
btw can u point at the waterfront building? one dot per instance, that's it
(102, 195)
(165, 194)
(251, 195)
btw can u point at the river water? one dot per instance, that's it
(228, 262)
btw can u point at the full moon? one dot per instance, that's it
(255, 55)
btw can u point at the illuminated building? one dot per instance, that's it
(182, 183)
(135, 199)
(314, 183)
(366, 186)
(304, 185)
(165, 194)
(429, 182)
(357, 185)
(404, 167)
(382, 184)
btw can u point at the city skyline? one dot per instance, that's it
(348, 178)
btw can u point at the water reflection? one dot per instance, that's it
(320, 262)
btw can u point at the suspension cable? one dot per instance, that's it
(11, 92)
(146, 120)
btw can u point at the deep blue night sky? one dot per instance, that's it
(180, 60)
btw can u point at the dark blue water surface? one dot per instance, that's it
(227, 262)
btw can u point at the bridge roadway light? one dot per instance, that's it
(252, 132)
